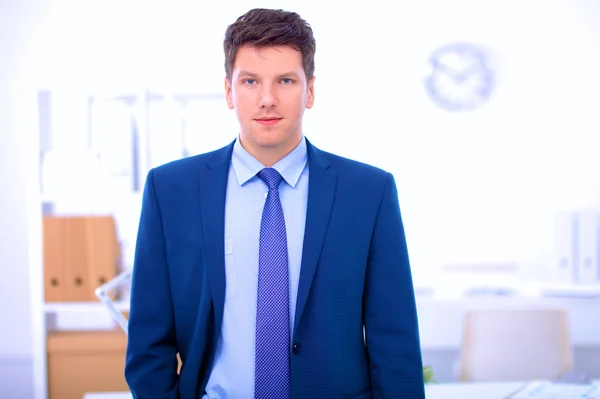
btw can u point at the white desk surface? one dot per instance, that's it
(435, 391)
(107, 395)
(472, 390)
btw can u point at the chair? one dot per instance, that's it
(515, 345)
(104, 290)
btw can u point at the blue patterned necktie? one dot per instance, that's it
(272, 364)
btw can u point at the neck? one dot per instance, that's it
(269, 156)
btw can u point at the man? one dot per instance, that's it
(275, 270)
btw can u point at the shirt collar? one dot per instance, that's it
(290, 167)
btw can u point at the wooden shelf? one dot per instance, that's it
(67, 307)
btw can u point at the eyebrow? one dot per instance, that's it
(246, 73)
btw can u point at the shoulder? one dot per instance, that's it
(350, 169)
(190, 166)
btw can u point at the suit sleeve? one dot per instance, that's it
(390, 316)
(151, 363)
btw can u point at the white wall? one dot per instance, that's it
(479, 186)
(18, 178)
(19, 201)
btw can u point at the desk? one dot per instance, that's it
(107, 395)
(435, 391)
(470, 390)
(458, 390)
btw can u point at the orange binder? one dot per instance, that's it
(104, 252)
(81, 253)
(55, 257)
(76, 268)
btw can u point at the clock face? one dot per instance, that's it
(460, 77)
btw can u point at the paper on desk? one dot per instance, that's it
(550, 390)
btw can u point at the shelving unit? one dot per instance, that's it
(150, 139)
(81, 307)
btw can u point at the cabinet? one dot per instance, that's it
(80, 362)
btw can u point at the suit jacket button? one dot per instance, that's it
(296, 347)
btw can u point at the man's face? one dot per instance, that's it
(269, 93)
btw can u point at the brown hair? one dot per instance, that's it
(263, 27)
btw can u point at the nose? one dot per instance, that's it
(267, 97)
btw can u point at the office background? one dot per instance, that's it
(482, 170)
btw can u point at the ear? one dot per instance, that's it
(310, 98)
(228, 93)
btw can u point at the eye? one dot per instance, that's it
(249, 82)
(287, 81)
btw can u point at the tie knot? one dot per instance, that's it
(271, 177)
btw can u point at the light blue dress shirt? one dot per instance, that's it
(232, 375)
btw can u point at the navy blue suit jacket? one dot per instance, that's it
(355, 272)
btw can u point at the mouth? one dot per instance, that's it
(267, 121)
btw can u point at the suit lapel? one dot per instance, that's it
(321, 192)
(213, 187)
